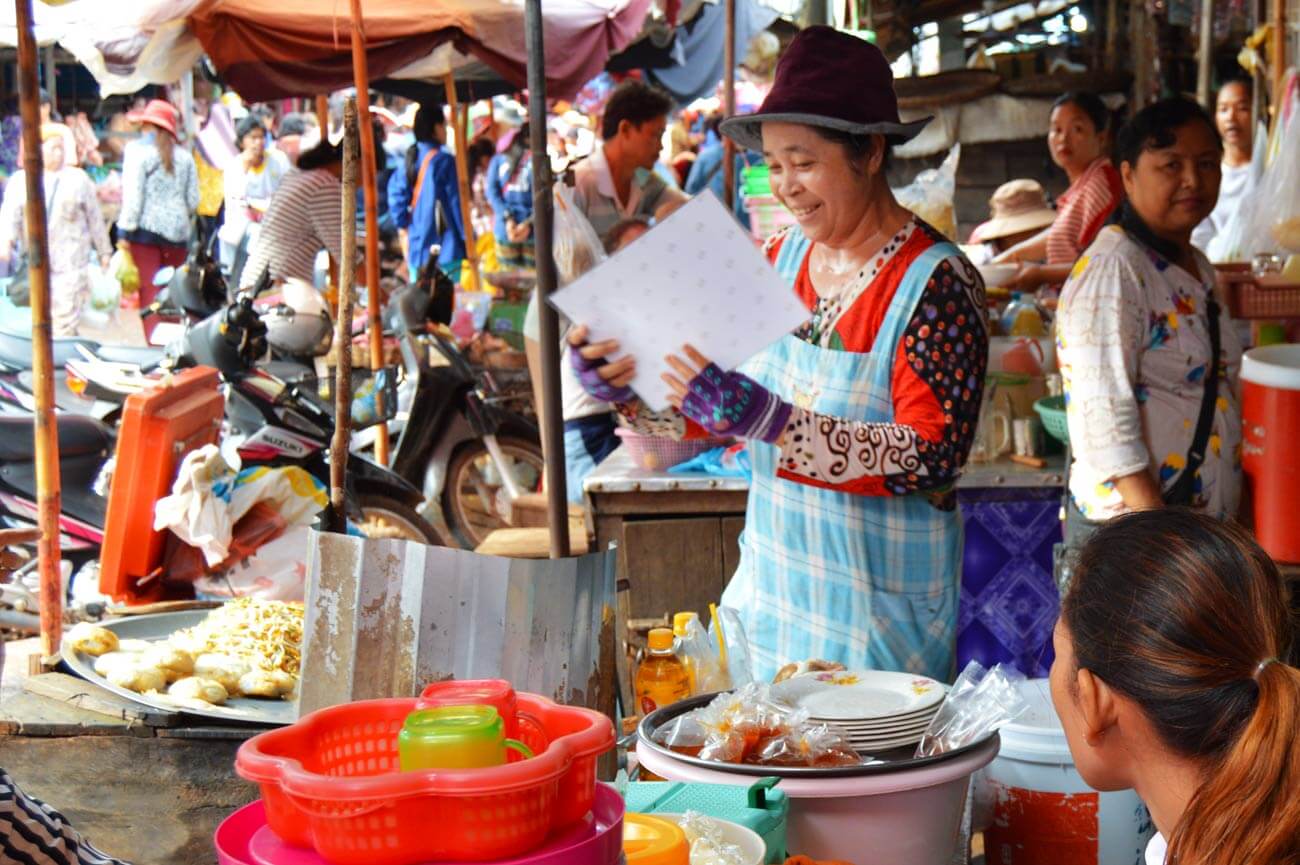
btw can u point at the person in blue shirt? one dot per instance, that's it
(510, 192)
(706, 171)
(424, 198)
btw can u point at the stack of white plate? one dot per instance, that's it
(878, 711)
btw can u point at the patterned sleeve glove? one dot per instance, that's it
(588, 372)
(729, 403)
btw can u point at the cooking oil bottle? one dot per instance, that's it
(661, 679)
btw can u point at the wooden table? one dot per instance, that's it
(140, 784)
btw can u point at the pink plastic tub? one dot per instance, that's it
(909, 817)
(245, 839)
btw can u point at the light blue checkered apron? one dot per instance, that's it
(868, 581)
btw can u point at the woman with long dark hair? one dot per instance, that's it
(1172, 678)
(510, 190)
(424, 198)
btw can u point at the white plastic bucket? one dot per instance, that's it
(910, 817)
(1038, 809)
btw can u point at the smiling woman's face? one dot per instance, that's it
(827, 193)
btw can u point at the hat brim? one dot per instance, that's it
(747, 129)
(998, 228)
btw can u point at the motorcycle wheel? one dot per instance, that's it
(469, 497)
(388, 518)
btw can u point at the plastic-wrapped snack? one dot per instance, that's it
(979, 703)
(817, 747)
(709, 674)
(708, 845)
(730, 747)
(685, 734)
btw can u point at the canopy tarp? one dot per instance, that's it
(296, 47)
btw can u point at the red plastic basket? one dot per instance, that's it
(660, 452)
(331, 783)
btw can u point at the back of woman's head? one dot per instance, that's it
(427, 120)
(1188, 618)
(1156, 126)
(322, 155)
(1090, 104)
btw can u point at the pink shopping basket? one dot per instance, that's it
(660, 452)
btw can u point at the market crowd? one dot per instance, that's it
(1174, 650)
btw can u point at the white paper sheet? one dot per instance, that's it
(696, 278)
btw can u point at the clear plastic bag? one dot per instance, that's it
(122, 266)
(814, 746)
(979, 703)
(729, 633)
(931, 195)
(577, 247)
(708, 675)
(1276, 225)
(708, 845)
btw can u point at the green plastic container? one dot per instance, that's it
(759, 807)
(1052, 411)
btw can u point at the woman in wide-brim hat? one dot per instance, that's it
(859, 422)
(160, 195)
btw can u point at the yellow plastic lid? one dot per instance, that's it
(654, 841)
(660, 640)
(681, 620)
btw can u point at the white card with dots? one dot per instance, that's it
(696, 278)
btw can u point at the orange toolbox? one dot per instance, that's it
(160, 425)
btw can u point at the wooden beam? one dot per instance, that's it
(38, 272)
(343, 325)
(1205, 55)
(462, 176)
(1279, 53)
(323, 115)
(361, 77)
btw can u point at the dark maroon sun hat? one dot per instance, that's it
(830, 79)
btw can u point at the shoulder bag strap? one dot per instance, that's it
(1181, 492)
(419, 179)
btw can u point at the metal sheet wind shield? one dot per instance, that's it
(387, 617)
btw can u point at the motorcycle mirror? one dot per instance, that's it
(163, 276)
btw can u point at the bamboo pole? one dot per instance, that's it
(1205, 55)
(557, 501)
(729, 105)
(462, 177)
(38, 271)
(323, 115)
(1279, 53)
(343, 327)
(361, 77)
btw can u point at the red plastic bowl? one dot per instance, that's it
(331, 783)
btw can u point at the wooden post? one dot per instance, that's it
(375, 328)
(729, 105)
(38, 273)
(557, 503)
(1279, 53)
(1205, 55)
(343, 326)
(1111, 36)
(462, 176)
(323, 115)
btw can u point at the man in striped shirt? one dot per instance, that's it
(33, 833)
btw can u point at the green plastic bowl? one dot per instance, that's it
(1051, 409)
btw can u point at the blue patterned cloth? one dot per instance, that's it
(868, 581)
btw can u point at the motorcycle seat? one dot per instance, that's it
(78, 436)
(144, 355)
(16, 349)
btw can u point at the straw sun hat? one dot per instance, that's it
(1016, 206)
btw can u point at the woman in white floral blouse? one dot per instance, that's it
(1135, 332)
(160, 195)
